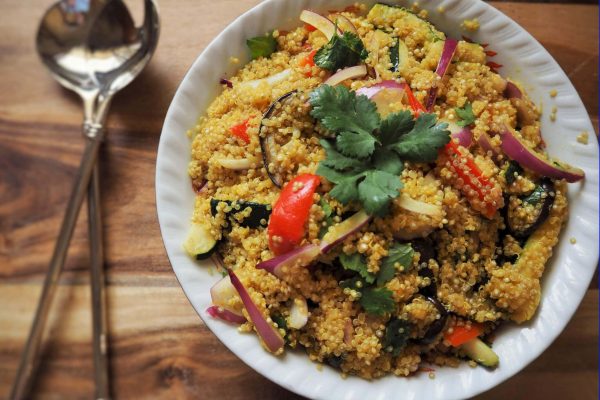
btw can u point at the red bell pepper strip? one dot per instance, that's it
(483, 195)
(415, 105)
(308, 60)
(241, 131)
(290, 213)
(461, 334)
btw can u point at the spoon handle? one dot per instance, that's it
(29, 357)
(99, 319)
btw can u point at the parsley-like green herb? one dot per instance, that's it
(513, 168)
(397, 333)
(466, 115)
(342, 51)
(400, 253)
(395, 55)
(377, 301)
(262, 46)
(365, 161)
(328, 220)
(357, 263)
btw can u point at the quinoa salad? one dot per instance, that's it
(374, 193)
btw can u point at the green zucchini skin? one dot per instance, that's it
(259, 216)
(200, 243)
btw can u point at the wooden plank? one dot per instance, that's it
(159, 347)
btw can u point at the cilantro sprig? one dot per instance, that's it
(465, 114)
(341, 51)
(262, 46)
(366, 158)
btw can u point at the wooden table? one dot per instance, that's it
(159, 347)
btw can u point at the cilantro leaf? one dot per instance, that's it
(356, 262)
(262, 46)
(394, 126)
(377, 190)
(342, 51)
(337, 160)
(328, 220)
(422, 143)
(353, 284)
(465, 114)
(359, 145)
(346, 190)
(397, 333)
(388, 161)
(377, 301)
(400, 253)
(513, 168)
(341, 110)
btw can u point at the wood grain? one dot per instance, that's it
(159, 347)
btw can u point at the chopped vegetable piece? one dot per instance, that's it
(347, 73)
(377, 301)
(298, 313)
(225, 315)
(303, 256)
(270, 336)
(262, 46)
(511, 173)
(478, 351)
(466, 115)
(319, 22)
(342, 51)
(462, 334)
(339, 232)
(241, 131)
(397, 333)
(290, 213)
(357, 263)
(447, 54)
(236, 164)
(200, 243)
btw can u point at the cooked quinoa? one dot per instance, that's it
(474, 260)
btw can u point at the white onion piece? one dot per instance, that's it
(485, 142)
(301, 256)
(419, 207)
(298, 313)
(346, 73)
(325, 26)
(337, 233)
(225, 315)
(270, 80)
(344, 23)
(462, 134)
(371, 91)
(235, 164)
(221, 292)
(383, 94)
(267, 332)
(518, 151)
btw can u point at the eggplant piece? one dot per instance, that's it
(427, 252)
(542, 198)
(259, 216)
(266, 142)
(438, 325)
(512, 169)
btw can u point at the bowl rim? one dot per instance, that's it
(161, 198)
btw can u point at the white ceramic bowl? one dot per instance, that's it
(567, 274)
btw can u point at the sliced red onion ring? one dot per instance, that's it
(324, 25)
(302, 255)
(225, 315)
(270, 336)
(346, 73)
(462, 134)
(512, 91)
(447, 54)
(337, 233)
(383, 94)
(518, 151)
(486, 144)
(344, 23)
(371, 91)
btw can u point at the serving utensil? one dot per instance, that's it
(93, 49)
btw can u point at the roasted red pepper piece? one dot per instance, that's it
(483, 195)
(309, 27)
(308, 60)
(290, 213)
(241, 131)
(415, 105)
(462, 334)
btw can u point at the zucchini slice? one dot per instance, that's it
(478, 351)
(386, 17)
(200, 243)
(259, 213)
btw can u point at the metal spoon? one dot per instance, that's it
(94, 51)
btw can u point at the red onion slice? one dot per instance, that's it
(512, 91)
(518, 151)
(463, 135)
(337, 233)
(344, 23)
(371, 91)
(267, 332)
(346, 73)
(225, 315)
(324, 25)
(447, 54)
(383, 94)
(303, 255)
(486, 144)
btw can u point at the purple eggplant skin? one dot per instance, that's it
(438, 325)
(545, 186)
(427, 251)
(263, 139)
